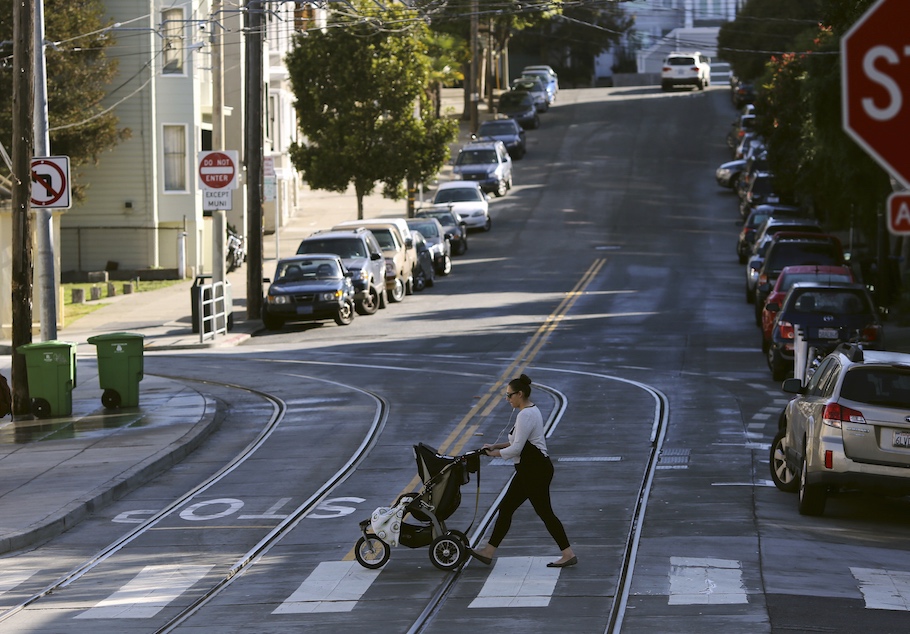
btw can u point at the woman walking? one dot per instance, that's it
(527, 448)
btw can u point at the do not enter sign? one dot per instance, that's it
(899, 214)
(218, 170)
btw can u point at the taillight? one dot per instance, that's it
(872, 332)
(667, 69)
(763, 278)
(786, 330)
(835, 414)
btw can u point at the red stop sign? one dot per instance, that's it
(875, 58)
(217, 170)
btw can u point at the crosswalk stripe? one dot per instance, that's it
(518, 582)
(9, 579)
(147, 593)
(695, 580)
(884, 589)
(334, 586)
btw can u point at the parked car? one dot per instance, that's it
(538, 91)
(425, 273)
(309, 288)
(818, 273)
(519, 105)
(685, 69)
(743, 93)
(826, 315)
(453, 225)
(846, 429)
(400, 257)
(757, 216)
(789, 248)
(762, 189)
(547, 75)
(506, 130)
(487, 163)
(763, 237)
(744, 123)
(362, 256)
(467, 200)
(727, 175)
(438, 241)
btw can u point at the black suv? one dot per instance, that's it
(362, 256)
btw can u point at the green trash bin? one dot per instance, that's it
(51, 370)
(120, 366)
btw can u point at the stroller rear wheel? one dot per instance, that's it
(372, 553)
(448, 551)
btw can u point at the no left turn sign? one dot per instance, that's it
(51, 182)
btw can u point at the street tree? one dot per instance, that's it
(79, 73)
(360, 87)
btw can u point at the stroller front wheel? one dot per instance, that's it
(448, 551)
(372, 552)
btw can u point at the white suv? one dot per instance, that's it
(686, 69)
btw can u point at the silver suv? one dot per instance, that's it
(487, 163)
(848, 427)
(685, 69)
(362, 256)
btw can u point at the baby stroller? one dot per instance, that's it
(443, 477)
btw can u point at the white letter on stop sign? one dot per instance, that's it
(894, 91)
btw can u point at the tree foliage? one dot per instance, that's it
(78, 75)
(360, 87)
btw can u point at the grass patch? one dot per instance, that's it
(72, 312)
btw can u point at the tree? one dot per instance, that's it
(79, 73)
(360, 86)
(764, 28)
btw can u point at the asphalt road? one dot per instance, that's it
(610, 277)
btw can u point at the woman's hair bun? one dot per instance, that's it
(524, 379)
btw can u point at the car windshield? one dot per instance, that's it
(878, 386)
(445, 218)
(513, 99)
(457, 195)
(426, 229)
(301, 270)
(476, 157)
(492, 128)
(385, 239)
(528, 84)
(342, 247)
(845, 302)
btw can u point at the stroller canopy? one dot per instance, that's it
(442, 478)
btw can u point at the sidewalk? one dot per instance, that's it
(55, 472)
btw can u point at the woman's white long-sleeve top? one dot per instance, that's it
(528, 427)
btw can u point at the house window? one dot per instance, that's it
(175, 158)
(172, 28)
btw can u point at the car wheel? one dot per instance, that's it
(812, 497)
(743, 256)
(345, 314)
(409, 286)
(396, 293)
(420, 281)
(458, 247)
(536, 123)
(776, 365)
(765, 344)
(271, 322)
(488, 224)
(501, 188)
(758, 308)
(446, 267)
(750, 296)
(369, 304)
(782, 476)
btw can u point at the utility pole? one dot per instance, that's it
(253, 155)
(23, 150)
(475, 25)
(44, 225)
(219, 222)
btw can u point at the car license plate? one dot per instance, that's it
(304, 310)
(901, 439)
(828, 333)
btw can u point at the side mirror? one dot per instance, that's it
(409, 243)
(375, 256)
(793, 386)
(772, 307)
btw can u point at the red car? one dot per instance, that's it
(790, 275)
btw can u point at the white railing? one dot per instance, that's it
(213, 311)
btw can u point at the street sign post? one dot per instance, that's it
(875, 65)
(899, 214)
(51, 182)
